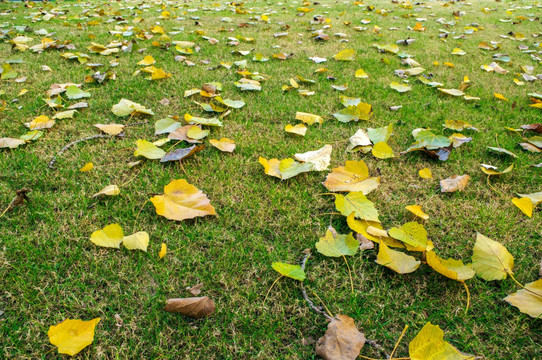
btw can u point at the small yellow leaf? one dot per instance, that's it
(40, 122)
(381, 150)
(138, 240)
(110, 190)
(163, 251)
(148, 150)
(500, 96)
(88, 166)
(308, 119)
(109, 236)
(271, 166)
(361, 74)
(528, 300)
(417, 210)
(525, 205)
(400, 87)
(72, 336)
(224, 144)
(345, 55)
(111, 129)
(452, 269)
(354, 176)
(298, 129)
(396, 260)
(425, 173)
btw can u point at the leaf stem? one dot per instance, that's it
(325, 307)
(521, 286)
(398, 341)
(137, 216)
(4, 212)
(349, 274)
(273, 284)
(468, 295)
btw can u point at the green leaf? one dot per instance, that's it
(336, 245)
(357, 203)
(288, 270)
(74, 93)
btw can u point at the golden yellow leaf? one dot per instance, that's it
(413, 235)
(72, 336)
(345, 55)
(525, 205)
(452, 269)
(528, 300)
(182, 201)
(491, 260)
(40, 122)
(376, 231)
(500, 96)
(111, 129)
(298, 129)
(149, 150)
(400, 87)
(138, 240)
(308, 119)
(425, 173)
(110, 236)
(396, 260)
(88, 166)
(361, 74)
(381, 150)
(429, 344)
(271, 166)
(417, 210)
(354, 176)
(110, 190)
(163, 250)
(224, 144)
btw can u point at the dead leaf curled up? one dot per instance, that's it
(342, 340)
(194, 307)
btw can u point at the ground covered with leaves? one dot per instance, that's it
(152, 150)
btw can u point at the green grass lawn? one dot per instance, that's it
(50, 271)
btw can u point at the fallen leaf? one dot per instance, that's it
(337, 245)
(298, 129)
(224, 144)
(413, 234)
(452, 269)
(354, 176)
(356, 202)
(196, 289)
(163, 250)
(111, 129)
(11, 143)
(429, 344)
(148, 150)
(491, 260)
(308, 119)
(195, 307)
(528, 300)
(396, 260)
(454, 183)
(525, 205)
(417, 210)
(400, 87)
(182, 201)
(319, 158)
(425, 173)
(136, 241)
(88, 166)
(381, 150)
(72, 336)
(342, 340)
(110, 190)
(182, 153)
(110, 236)
(288, 270)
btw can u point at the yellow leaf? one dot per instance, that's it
(525, 205)
(110, 190)
(354, 176)
(429, 344)
(336, 245)
(528, 300)
(491, 260)
(138, 240)
(381, 150)
(11, 143)
(500, 96)
(345, 55)
(359, 204)
(88, 166)
(298, 129)
(111, 129)
(182, 201)
(308, 119)
(453, 92)
(197, 133)
(361, 74)
(425, 173)
(417, 210)
(271, 166)
(288, 270)
(376, 231)
(72, 336)
(413, 235)
(148, 150)
(396, 260)
(458, 51)
(41, 122)
(224, 144)
(110, 236)
(452, 269)
(163, 251)
(400, 87)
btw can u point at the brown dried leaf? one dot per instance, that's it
(194, 307)
(342, 340)
(454, 183)
(196, 289)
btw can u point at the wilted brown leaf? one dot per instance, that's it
(194, 307)
(342, 340)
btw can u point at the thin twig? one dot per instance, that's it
(53, 160)
(315, 308)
